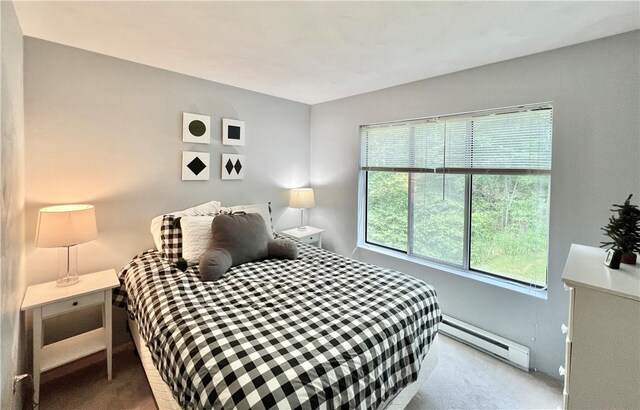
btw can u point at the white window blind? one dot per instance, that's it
(507, 141)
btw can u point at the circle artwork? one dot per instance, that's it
(197, 128)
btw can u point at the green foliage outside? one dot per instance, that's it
(439, 217)
(387, 209)
(510, 225)
(509, 220)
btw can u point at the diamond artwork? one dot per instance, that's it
(232, 166)
(195, 166)
(229, 166)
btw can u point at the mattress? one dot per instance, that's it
(321, 331)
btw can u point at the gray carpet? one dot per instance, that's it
(463, 379)
(468, 379)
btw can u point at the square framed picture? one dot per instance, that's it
(195, 128)
(195, 166)
(232, 166)
(232, 132)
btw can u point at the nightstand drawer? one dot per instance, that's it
(309, 239)
(72, 304)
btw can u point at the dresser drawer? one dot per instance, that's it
(69, 305)
(572, 297)
(567, 366)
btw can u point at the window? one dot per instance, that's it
(469, 191)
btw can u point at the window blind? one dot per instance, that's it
(507, 141)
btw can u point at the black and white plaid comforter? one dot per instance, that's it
(322, 331)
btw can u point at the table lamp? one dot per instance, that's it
(64, 227)
(302, 198)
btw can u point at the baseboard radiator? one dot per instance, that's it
(513, 353)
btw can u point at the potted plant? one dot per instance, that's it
(624, 230)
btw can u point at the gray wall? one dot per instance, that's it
(596, 155)
(108, 132)
(12, 280)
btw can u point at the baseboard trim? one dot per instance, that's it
(86, 361)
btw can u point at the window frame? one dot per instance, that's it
(465, 267)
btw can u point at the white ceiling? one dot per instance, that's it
(319, 51)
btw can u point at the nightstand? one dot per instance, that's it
(47, 300)
(309, 235)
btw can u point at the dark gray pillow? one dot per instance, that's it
(238, 239)
(214, 263)
(244, 236)
(282, 249)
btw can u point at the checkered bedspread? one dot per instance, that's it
(322, 331)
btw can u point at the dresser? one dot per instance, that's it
(602, 359)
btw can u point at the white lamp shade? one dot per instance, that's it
(66, 225)
(302, 198)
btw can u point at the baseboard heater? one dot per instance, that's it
(513, 353)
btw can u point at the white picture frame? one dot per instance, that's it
(196, 128)
(233, 132)
(233, 166)
(195, 166)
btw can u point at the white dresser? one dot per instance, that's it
(602, 360)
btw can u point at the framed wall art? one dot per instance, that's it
(233, 166)
(232, 132)
(195, 128)
(195, 166)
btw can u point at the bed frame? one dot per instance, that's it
(165, 401)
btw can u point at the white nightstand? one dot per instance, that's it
(309, 235)
(47, 300)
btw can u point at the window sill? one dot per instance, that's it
(501, 283)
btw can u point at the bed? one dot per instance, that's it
(320, 331)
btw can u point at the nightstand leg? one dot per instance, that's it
(37, 347)
(107, 325)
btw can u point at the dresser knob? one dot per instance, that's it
(75, 303)
(561, 371)
(564, 329)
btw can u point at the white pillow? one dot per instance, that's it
(208, 208)
(262, 209)
(196, 234)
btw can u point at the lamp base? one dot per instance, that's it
(302, 227)
(67, 281)
(67, 266)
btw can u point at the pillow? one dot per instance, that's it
(208, 208)
(282, 249)
(214, 264)
(196, 235)
(243, 236)
(238, 239)
(170, 238)
(263, 209)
